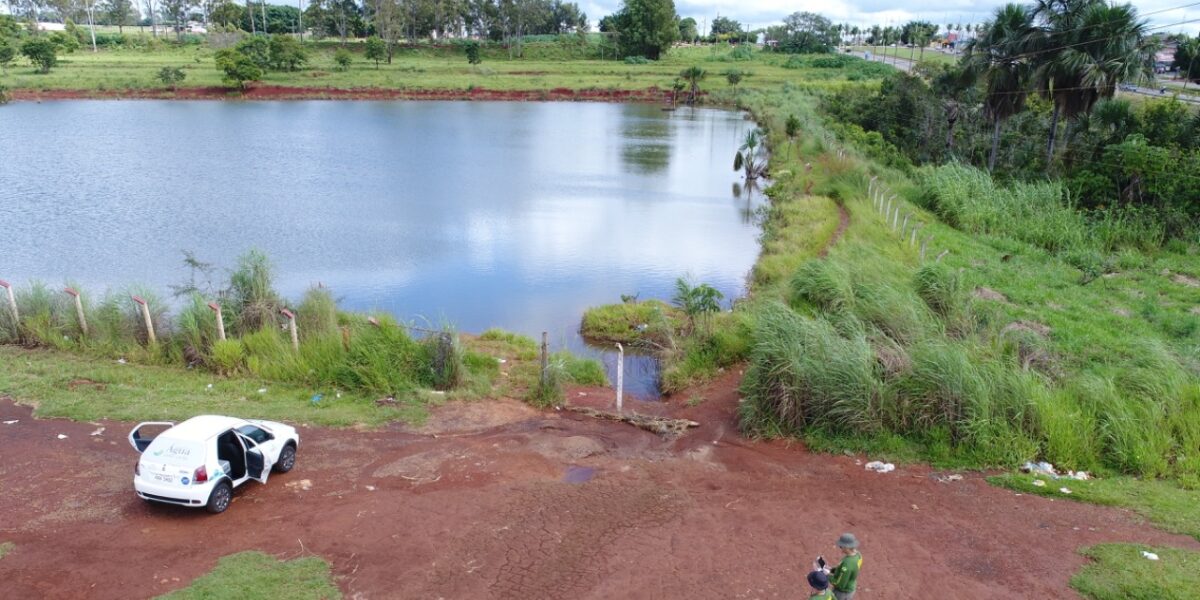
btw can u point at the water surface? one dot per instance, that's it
(514, 215)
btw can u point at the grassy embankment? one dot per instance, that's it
(930, 55)
(546, 66)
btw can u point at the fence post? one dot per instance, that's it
(904, 227)
(620, 374)
(545, 359)
(913, 241)
(942, 255)
(146, 316)
(924, 243)
(291, 317)
(216, 308)
(72, 292)
(12, 301)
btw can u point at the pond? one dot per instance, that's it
(515, 215)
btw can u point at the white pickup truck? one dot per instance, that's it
(199, 461)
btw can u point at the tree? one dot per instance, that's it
(693, 76)
(748, 155)
(8, 52)
(376, 50)
(176, 11)
(608, 24)
(998, 59)
(1093, 47)
(239, 69)
(227, 14)
(699, 301)
(42, 52)
(724, 26)
(734, 77)
(646, 27)
(257, 48)
(343, 59)
(286, 53)
(1187, 59)
(687, 29)
(119, 13)
(171, 76)
(472, 50)
(676, 87)
(806, 33)
(792, 129)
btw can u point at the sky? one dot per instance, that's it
(761, 13)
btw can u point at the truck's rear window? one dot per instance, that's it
(175, 452)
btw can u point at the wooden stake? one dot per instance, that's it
(72, 292)
(216, 308)
(146, 316)
(12, 301)
(545, 358)
(291, 317)
(620, 374)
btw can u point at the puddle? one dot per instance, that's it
(579, 474)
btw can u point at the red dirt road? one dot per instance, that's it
(475, 505)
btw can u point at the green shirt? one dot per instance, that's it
(844, 577)
(827, 594)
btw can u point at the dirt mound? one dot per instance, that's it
(1038, 329)
(986, 293)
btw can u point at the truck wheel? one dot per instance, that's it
(287, 459)
(220, 498)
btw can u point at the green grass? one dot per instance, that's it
(650, 324)
(546, 66)
(56, 384)
(6, 548)
(1121, 572)
(930, 55)
(254, 575)
(1165, 504)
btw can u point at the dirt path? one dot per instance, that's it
(494, 501)
(843, 223)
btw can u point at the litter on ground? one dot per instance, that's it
(1065, 490)
(1149, 555)
(99, 431)
(1039, 483)
(12, 422)
(62, 437)
(1047, 469)
(880, 467)
(262, 390)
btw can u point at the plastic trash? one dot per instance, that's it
(1039, 483)
(120, 361)
(62, 437)
(1042, 468)
(209, 387)
(1149, 555)
(1079, 475)
(262, 390)
(880, 467)
(12, 422)
(316, 398)
(99, 431)
(1065, 490)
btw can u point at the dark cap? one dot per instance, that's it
(818, 580)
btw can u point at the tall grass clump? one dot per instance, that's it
(804, 374)
(251, 297)
(824, 285)
(317, 314)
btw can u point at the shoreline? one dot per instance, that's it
(280, 92)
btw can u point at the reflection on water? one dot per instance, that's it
(513, 215)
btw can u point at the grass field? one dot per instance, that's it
(930, 55)
(1122, 572)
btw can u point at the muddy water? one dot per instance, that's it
(515, 215)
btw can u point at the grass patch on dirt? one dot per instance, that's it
(254, 575)
(1165, 504)
(646, 324)
(5, 548)
(1121, 572)
(83, 388)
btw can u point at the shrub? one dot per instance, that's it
(251, 296)
(317, 314)
(227, 356)
(343, 59)
(637, 60)
(42, 52)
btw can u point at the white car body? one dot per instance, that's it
(187, 462)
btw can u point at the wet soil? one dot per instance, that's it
(497, 500)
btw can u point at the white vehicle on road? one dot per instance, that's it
(199, 461)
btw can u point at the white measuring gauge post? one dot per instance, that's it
(620, 374)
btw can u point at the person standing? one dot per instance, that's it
(819, 582)
(844, 577)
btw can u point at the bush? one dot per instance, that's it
(227, 356)
(317, 314)
(343, 59)
(42, 52)
(637, 60)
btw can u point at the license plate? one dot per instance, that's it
(165, 478)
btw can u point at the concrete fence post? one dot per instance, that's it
(545, 358)
(942, 255)
(291, 317)
(150, 337)
(904, 227)
(913, 240)
(12, 301)
(620, 375)
(924, 244)
(72, 292)
(216, 308)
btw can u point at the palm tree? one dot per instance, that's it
(998, 58)
(1091, 48)
(747, 157)
(693, 75)
(1187, 60)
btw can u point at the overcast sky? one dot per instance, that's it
(760, 13)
